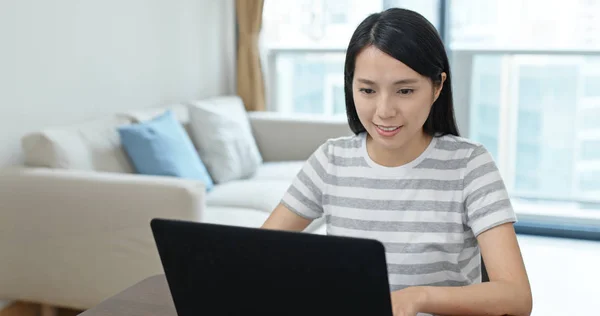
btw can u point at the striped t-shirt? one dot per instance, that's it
(427, 213)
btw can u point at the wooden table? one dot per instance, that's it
(146, 298)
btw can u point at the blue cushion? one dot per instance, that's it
(162, 147)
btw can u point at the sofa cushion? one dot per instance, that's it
(262, 195)
(247, 217)
(222, 133)
(281, 170)
(91, 146)
(180, 110)
(234, 216)
(161, 147)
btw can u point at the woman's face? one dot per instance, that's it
(392, 100)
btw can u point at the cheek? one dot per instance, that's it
(417, 110)
(364, 109)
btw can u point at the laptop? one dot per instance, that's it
(219, 270)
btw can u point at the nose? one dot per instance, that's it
(386, 109)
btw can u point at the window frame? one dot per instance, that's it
(584, 225)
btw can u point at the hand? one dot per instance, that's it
(408, 301)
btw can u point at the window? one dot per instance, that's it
(306, 81)
(532, 126)
(589, 119)
(526, 83)
(590, 150)
(303, 43)
(525, 24)
(529, 90)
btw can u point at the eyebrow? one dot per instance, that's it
(402, 81)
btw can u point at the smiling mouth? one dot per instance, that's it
(388, 128)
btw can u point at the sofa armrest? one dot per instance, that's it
(283, 137)
(85, 233)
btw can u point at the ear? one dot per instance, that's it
(438, 88)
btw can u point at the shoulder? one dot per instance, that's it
(342, 144)
(460, 147)
(452, 142)
(334, 148)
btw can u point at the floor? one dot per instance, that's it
(564, 275)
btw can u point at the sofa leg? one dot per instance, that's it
(48, 310)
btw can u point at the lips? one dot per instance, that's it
(387, 130)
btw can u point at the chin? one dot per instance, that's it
(389, 142)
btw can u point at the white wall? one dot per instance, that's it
(65, 61)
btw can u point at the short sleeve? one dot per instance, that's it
(304, 195)
(486, 199)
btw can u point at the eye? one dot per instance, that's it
(366, 90)
(406, 91)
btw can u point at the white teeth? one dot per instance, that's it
(388, 129)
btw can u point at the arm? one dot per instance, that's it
(310, 133)
(301, 203)
(489, 215)
(284, 219)
(507, 293)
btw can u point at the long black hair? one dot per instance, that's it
(410, 38)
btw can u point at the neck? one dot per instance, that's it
(398, 156)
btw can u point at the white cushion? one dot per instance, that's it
(222, 133)
(242, 202)
(92, 146)
(141, 115)
(180, 110)
(263, 195)
(234, 216)
(281, 170)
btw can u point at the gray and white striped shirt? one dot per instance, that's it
(427, 213)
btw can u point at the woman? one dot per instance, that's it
(435, 200)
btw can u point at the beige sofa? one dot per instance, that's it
(75, 219)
